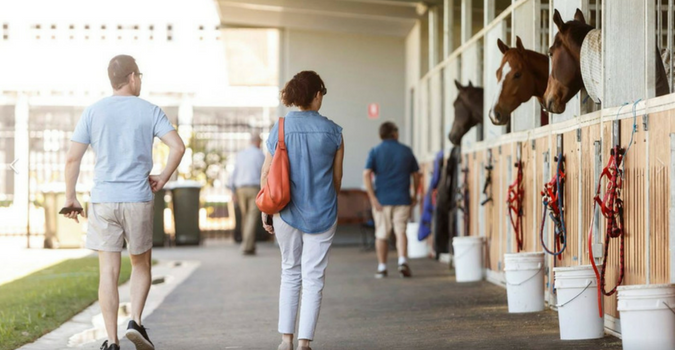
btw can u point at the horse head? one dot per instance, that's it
(468, 111)
(522, 75)
(565, 80)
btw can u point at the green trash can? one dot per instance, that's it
(185, 199)
(60, 232)
(158, 233)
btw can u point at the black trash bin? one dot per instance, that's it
(158, 232)
(185, 199)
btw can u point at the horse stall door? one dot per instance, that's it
(526, 26)
(567, 8)
(624, 45)
(471, 71)
(493, 59)
(450, 73)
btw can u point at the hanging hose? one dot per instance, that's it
(553, 195)
(515, 202)
(611, 207)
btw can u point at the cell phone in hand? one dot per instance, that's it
(69, 210)
(269, 221)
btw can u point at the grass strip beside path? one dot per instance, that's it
(37, 304)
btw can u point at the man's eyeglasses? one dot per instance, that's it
(138, 74)
(324, 91)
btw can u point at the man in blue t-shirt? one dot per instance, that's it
(392, 164)
(121, 130)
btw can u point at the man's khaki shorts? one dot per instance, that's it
(395, 217)
(109, 224)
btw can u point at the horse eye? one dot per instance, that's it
(517, 75)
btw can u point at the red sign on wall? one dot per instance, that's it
(373, 111)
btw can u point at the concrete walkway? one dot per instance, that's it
(17, 261)
(230, 302)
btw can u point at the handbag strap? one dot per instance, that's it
(282, 142)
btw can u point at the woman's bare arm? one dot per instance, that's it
(337, 167)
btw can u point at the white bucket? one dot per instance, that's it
(524, 274)
(647, 316)
(416, 249)
(577, 290)
(468, 257)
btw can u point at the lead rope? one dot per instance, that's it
(515, 202)
(463, 200)
(611, 207)
(553, 195)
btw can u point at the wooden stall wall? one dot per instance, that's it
(494, 214)
(589, 136)
(531, 198)
(660, 127)
(570, 147)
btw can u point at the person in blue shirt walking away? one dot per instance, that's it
(305, 228)
(121, 130)
(245, 185)
(392, 164)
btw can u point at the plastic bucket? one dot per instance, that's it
(468, 258)
(577, 292)
(524, 274)
(647, 316)
(416, 249)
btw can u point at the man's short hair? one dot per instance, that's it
(388, 130)
(119, 69)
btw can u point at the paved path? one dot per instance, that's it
(17, 261)
(230, 302)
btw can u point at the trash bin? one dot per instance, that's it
(158, 233)
(60, 232)
(185, 199)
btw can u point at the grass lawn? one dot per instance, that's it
(39, 303)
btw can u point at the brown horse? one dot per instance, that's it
(522, 75)
(565, 80)
(468, 111)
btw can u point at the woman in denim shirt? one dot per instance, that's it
(305, 228)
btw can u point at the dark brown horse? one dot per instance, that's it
(468, 111)
(565, 80)
(522, 75)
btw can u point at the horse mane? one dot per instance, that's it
(578, 31)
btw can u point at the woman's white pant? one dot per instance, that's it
(304, 258)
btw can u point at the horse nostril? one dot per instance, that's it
(549, 105)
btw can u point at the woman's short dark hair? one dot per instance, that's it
(300, 90)
(388, 130)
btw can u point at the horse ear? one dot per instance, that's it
(470, 84)
(458, 85)
(502, 47)
(579, 16)
(557, 19)
(519, 44)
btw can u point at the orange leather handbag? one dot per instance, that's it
(276, 193)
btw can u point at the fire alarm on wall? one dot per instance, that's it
(373, 111)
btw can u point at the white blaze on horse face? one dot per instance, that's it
(500, 85)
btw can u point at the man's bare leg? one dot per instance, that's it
(108, 294)
(141, 279)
